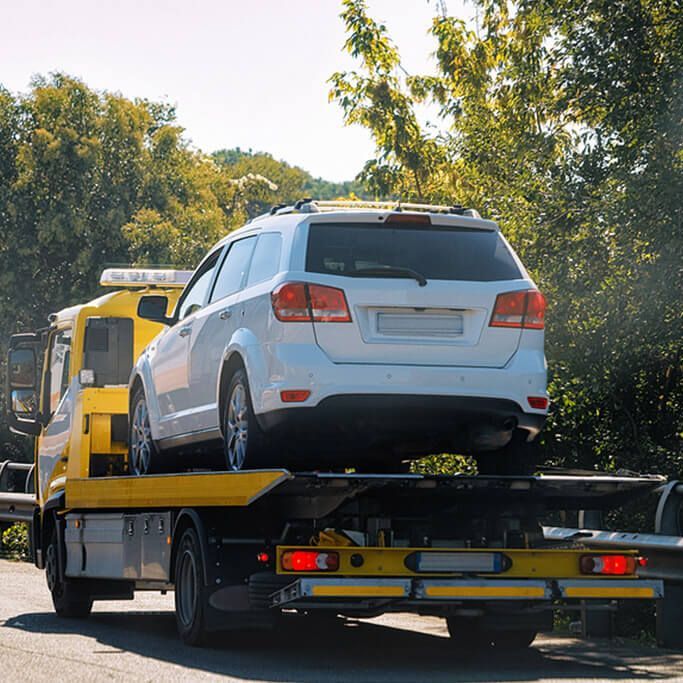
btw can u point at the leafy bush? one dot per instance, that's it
(15, 542)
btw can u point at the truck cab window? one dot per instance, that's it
(60, 357)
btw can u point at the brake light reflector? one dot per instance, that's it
(612, 565)
(309, 561)
(294, 395)
(537, 402)
(525, 309)
(409, 218)
(303, 302)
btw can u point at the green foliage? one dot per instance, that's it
(445, 463)
(14, 542)
(91, 178)
(561, 119)
(287, 183)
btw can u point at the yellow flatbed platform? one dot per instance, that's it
(196, 489)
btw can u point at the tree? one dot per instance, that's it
(561, 120)
(89, 179)
(287, 183)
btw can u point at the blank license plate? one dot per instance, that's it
(420, 324)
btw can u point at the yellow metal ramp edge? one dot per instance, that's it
(196, 489)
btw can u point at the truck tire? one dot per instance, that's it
(244, 443)
(142, 453)
(469, 636)
(70, 597)
(190, 593)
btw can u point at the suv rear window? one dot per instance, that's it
(438, 253)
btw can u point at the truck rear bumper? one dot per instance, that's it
(348, 591)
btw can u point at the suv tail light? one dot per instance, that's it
(524, 309)
(303, 302)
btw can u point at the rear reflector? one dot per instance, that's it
(294, 395)
(303, 302)
(491, 563)
(525, 309)
(613, 565)
(538, 402)
(309, 561)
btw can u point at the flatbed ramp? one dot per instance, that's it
(318, 493)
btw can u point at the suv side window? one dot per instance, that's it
(266, 260)
(60, 361)
(195, 293)
(231, 275)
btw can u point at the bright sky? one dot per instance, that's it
(249, 74)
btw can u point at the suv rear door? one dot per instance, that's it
(398, 320)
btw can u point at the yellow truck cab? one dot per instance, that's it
(68, 383)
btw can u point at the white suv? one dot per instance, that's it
(323, 335)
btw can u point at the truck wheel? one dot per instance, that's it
(142, 453)
(190, 593)
(470, 636)
(243, 439)
(70, 597)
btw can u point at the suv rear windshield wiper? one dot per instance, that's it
(391, 271)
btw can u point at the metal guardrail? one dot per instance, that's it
(17, 497)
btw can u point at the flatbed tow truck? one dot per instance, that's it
(241, 548)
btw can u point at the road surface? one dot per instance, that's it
(137, 641)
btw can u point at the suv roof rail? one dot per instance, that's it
(457, 209)
(309, 205)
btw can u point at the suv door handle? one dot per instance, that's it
(184, 331)
(225, 314)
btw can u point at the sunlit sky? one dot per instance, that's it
(242, 73)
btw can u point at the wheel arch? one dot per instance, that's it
(136, 383)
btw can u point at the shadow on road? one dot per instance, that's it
(304, 650)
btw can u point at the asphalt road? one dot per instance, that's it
(137, 641)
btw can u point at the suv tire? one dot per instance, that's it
(142, 452)
(244, 442)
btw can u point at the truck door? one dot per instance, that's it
(58, 393)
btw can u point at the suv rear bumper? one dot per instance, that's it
(415, 424)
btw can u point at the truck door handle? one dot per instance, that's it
(184, 331)
(225, 314)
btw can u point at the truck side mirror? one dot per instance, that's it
(153, 307)
(22, 385)
(21, 366)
